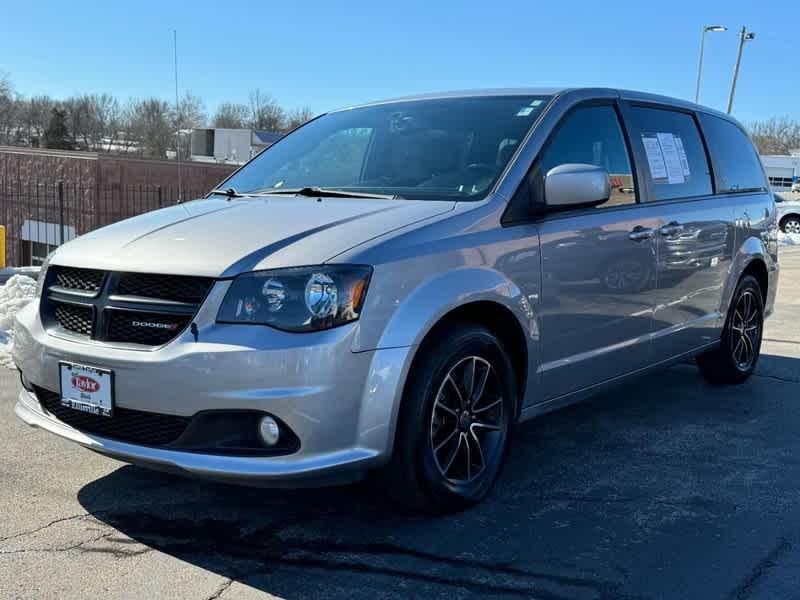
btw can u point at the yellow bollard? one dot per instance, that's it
(2, 246)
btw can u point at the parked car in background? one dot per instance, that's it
(392, 287)
(788, 215)
(796, 186)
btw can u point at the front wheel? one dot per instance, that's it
(455, 422)
(740, 346)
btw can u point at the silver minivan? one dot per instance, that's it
(390, 288)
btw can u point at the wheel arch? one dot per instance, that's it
(758, 269)
(498, 319)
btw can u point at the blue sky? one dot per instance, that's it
(331, 54)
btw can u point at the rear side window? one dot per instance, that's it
(736, 164)
(592, 135)
(674, 153)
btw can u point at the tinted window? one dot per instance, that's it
(736, 164)
(448, 148)
(674, 152)
(592, 135)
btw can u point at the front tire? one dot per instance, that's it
(740, 346)
(454, 426)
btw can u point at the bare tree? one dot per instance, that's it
(36, 112)
(148, 124)
(231, 116)
(265, 113)
(298, 117)
(9, 110)
(777, 135)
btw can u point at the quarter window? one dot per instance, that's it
(673, 152)
(592, 135)
(736, 164)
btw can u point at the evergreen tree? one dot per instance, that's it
(56, 135)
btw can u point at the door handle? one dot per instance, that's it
(671, 229)
(639, 234)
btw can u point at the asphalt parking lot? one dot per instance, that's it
(664, 488)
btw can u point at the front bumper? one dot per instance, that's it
(342, 405)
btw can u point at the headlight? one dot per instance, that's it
(297, 299)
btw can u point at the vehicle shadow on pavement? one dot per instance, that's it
(588, 492)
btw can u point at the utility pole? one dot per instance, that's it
(706, 29)
(178, 120)
(744, 36)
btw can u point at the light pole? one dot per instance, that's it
(706, 28)
(744, 36)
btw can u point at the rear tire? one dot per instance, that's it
(740, 346)
(454, 426)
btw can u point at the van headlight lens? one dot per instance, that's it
(297, 299)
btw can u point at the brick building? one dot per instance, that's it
(96, 189)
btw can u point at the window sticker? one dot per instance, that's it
(525, 111)
(536, 102)
(682, 154)
(655, 158)
(672, 160)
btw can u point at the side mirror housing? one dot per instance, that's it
(573, 185)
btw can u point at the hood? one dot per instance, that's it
(221, 238)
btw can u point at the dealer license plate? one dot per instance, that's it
(87, 389)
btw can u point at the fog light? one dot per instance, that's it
(269, 431)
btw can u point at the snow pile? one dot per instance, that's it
(789, 239)
(16, 293)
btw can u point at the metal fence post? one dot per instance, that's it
(60, 212)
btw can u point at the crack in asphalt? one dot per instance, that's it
(184, 538)
(776, 378)
(56, 549)
(43, 527)
(760, 570)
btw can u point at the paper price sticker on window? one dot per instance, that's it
(682, 154)
(655, 159)
(666, 157)
(672, 158)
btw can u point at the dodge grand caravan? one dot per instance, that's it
(392, 287)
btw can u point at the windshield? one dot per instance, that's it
(454, 148)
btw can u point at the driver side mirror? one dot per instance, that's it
(573, 185)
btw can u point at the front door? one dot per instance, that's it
(598, 264)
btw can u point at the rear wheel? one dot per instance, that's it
(455, 422)
(735, 359)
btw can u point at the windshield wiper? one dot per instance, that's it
(229, 192)
(317, 192)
